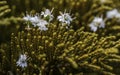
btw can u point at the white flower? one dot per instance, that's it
(65, 18)
(27, 17)
(97, 22)
(48, 14)
(34, 20)
(37, 21)
(42, 24)
(112, 13)
(22, 62)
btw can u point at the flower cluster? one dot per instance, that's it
(98, 22)
(46, 17)
(36, 21)
(65, 18)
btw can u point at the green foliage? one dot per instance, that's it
(8, 24)
(63, 51)
(4, 9)
(60, 51)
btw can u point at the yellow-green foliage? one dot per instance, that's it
(8, 23)
(63, 51)
(60, 51)
(4, 8)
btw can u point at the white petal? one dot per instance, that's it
(112, 13)
(93, 27)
